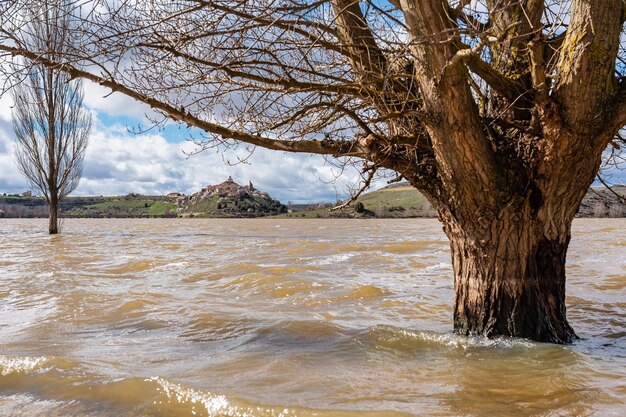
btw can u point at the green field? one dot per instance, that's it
(204, 208)
(140, 207)
(231, 207)
(132, 205)
(396, 201)
(390, 202)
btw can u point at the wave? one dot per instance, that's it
(219, 405)
(333, 259)
(25, 364)
(401, 339)
(212, 404)
(62, 393)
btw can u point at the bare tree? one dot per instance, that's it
(498, 111)
(50, 125)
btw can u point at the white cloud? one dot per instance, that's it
(114, 104)
(118, 162)
(11, 181)
(5, 107)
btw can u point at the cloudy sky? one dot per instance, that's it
(119, 162)
(154, 163)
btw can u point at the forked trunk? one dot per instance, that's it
(510, 280)
(53, 225)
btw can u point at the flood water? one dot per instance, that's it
(173, 317)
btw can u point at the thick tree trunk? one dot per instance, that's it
(509, 279)
(53, 224)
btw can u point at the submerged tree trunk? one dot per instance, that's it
(510, 282)
(509, 257)
(53, 219)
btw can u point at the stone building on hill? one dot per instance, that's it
(230, 199)
(229, 189)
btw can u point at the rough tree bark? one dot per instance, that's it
(52, 142)
(498, 111)
(509, 279)
(53, 215)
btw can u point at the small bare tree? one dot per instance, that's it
(50, 125)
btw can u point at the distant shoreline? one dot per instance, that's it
(397, 201)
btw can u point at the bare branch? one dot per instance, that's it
(371, 171)
(538, 69)
(611, 190)
(618, 118)
(51, 128)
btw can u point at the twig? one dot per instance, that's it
(615, 193)
(371, 171)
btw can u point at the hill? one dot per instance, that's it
(229, 199)
(394, 201)
(131, 205)
(404, 201)
(601, 202)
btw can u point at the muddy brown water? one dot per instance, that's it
(148, 317)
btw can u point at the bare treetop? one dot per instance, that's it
(50, 126)
(298, 70)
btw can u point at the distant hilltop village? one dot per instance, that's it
(225, 190)
(227, 199)
(230, 199)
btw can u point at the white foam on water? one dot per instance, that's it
(438, 267)
(24, 364)
(333, 259)
(31, 406)
(452, 340)
(214, 404)
(172, 265)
